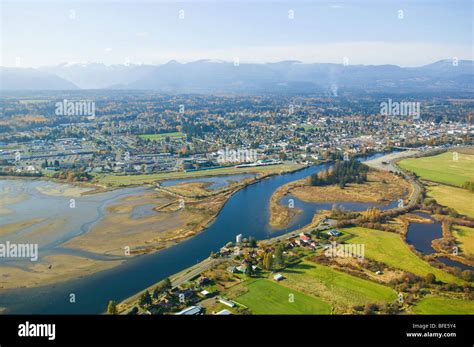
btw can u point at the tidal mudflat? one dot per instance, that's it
(79, 234)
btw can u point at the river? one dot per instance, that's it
(246, 212)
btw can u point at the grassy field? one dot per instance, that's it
(442, 168)
(307, 127)
(462, 200)
(267, 297)
(159, 137)
(389, 248)
(342, 290)
(380, 186)
(124, 180)
(439, 305)
(465, 236)
(32, 101)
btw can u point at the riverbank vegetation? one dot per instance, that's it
(390, 278)
(167, 219)
(138, 223)
(381, 188)
(341, 173)
(292, 276)
(140, 179)
(72, 175)
(280, 214)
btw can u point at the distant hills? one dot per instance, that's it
(32, 79)
(99, 76)
(210, 76)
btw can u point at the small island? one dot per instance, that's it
(346, 181)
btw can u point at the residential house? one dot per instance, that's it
(334, 232)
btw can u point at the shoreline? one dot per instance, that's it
(224, 194)
(127, 303)
(184, 175)
(243, 186)
(355, 193)
(412, 217)
(101, 188)
(130, 301)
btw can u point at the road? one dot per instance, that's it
(205, 265)
(378, 163)
(389, 163)
(176, 281)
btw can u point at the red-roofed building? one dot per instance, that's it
(304, 238)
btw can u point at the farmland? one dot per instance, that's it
(342, 290)
(388, 248)
(440, 305)
(465, 237)
(447, 168)
(462, 200)
(267, 297)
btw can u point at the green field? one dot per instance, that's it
(33, 101)
(465, 237)
(439, 305)
(340, 289)
(159, 137)
(267, 297)
(308, 127)
(442, 168)
(124, 180)
(389, 248)
(462, 200)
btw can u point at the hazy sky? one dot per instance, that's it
(38, 33)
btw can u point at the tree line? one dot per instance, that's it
(343, 172)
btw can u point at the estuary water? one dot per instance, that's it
(246, 212)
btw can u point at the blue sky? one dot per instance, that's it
(38, 33)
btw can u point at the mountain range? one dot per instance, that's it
(210, 76)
